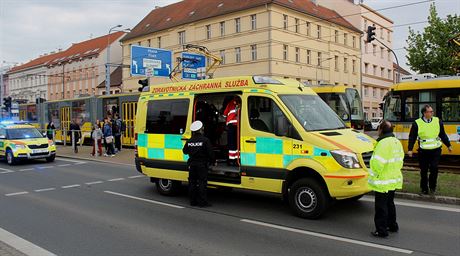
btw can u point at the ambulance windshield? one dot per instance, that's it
(312, 112)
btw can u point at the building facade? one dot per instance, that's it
(295, 39)
(79, 70)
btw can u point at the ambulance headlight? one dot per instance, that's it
(19, 146)
(346, 159)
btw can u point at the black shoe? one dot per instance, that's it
(205, 205)
(379, 234)
(432, 191)
(424, 192)
(393, 229)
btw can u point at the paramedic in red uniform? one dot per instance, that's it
(231, 114)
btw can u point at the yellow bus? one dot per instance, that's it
(345, 101)
(289, 141)
(403, 104)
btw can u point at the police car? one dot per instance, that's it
(20, 141)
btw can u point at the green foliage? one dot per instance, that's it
(433, 50)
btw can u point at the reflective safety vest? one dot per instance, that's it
(231, 112)
(428, 133)
(386, 163)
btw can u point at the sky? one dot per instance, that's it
(29, 28)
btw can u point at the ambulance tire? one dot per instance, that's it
(168, 187)
(308, 199)
(10, 157)
(50, 158)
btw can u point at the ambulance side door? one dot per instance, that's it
(2, 141)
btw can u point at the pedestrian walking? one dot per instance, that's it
(116, 128)
(429, 131)
(231, 114)
(108, 138)
(385, 177)
(75, 134)
(96, 136)
(50, 129)
(199, 149)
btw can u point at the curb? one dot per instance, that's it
(401, 195)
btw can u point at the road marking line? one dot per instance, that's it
(116, 179)
(94, 182)
(136, 176)
(71, 186)
(44, 189)
(79, 163)
(45, 167)
(17, 193)
(64, 165)
(416, 205)
(145, 200)
(71, 160)
(331, 237)
(23, 245)
(26, 169)
(5, 170)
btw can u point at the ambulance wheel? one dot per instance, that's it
(308, 199)
(167, 187)
(50, 158)
(10, 157)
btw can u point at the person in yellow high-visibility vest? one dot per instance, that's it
(429, 131)
(385, 177)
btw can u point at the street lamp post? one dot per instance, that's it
(319, 65)
(107, 65)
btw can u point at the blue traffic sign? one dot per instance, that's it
(150, 61)
(193, 66)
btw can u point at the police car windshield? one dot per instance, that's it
(312, 112)
(23, 133)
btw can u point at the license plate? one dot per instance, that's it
(42, 150)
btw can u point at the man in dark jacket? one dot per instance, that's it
(429, 130)
(75, 134)
(201, 156)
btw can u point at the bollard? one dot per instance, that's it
(64, 137)
(73, 140)
(96, 146)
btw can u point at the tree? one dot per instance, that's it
(434, 51)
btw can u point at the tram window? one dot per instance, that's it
(451, 108)
(53, 114)
(80, 112)
(167, 116)
(393, 108)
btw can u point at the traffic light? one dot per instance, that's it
(370, 33)
(143, 83)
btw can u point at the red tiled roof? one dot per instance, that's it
(87, 48)
(189, 11)
(35, 62)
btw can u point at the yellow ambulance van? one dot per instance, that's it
(289, 141)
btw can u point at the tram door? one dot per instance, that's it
(22, 114)
(128, 117)
(65, 121)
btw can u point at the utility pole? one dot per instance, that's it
(107, 64)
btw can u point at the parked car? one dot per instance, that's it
(375, 122)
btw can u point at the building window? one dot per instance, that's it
(336, 36)
(238, 54)
(181, 37)
(319, 59)
(365, 91)
(389, 55)
(353, 65)
(285, 22)
(149, 43)
(296, 25)
(254, 52)
(297, 54)
(336, 63)
(381, 33)
(237, 25)
(381, 52)
(374, 92)
(208, 31)
(366, 48)
(159, 41)
(345, 64)
(318, 30)
(222, 28)
(285, 52)
(366, 68)
(389, 73)
(308, 28)
(222, 56)
(353, 40)
(374, 71)
(253, 22)
(388, 35)
(365, 26)
(308, 57)
(382, 72)
(374, 50)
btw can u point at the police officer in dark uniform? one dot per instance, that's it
(201, 156)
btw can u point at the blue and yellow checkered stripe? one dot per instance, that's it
(161, 147)
(276, 153)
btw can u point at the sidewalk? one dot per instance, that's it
(126, 157)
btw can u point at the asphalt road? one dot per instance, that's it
(85, 208)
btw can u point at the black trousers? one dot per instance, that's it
(385, 212)
(429, 160)
(118, 142)
(198, 181)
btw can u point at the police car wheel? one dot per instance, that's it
(167, 187)
(10, 157)
(308, 199)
